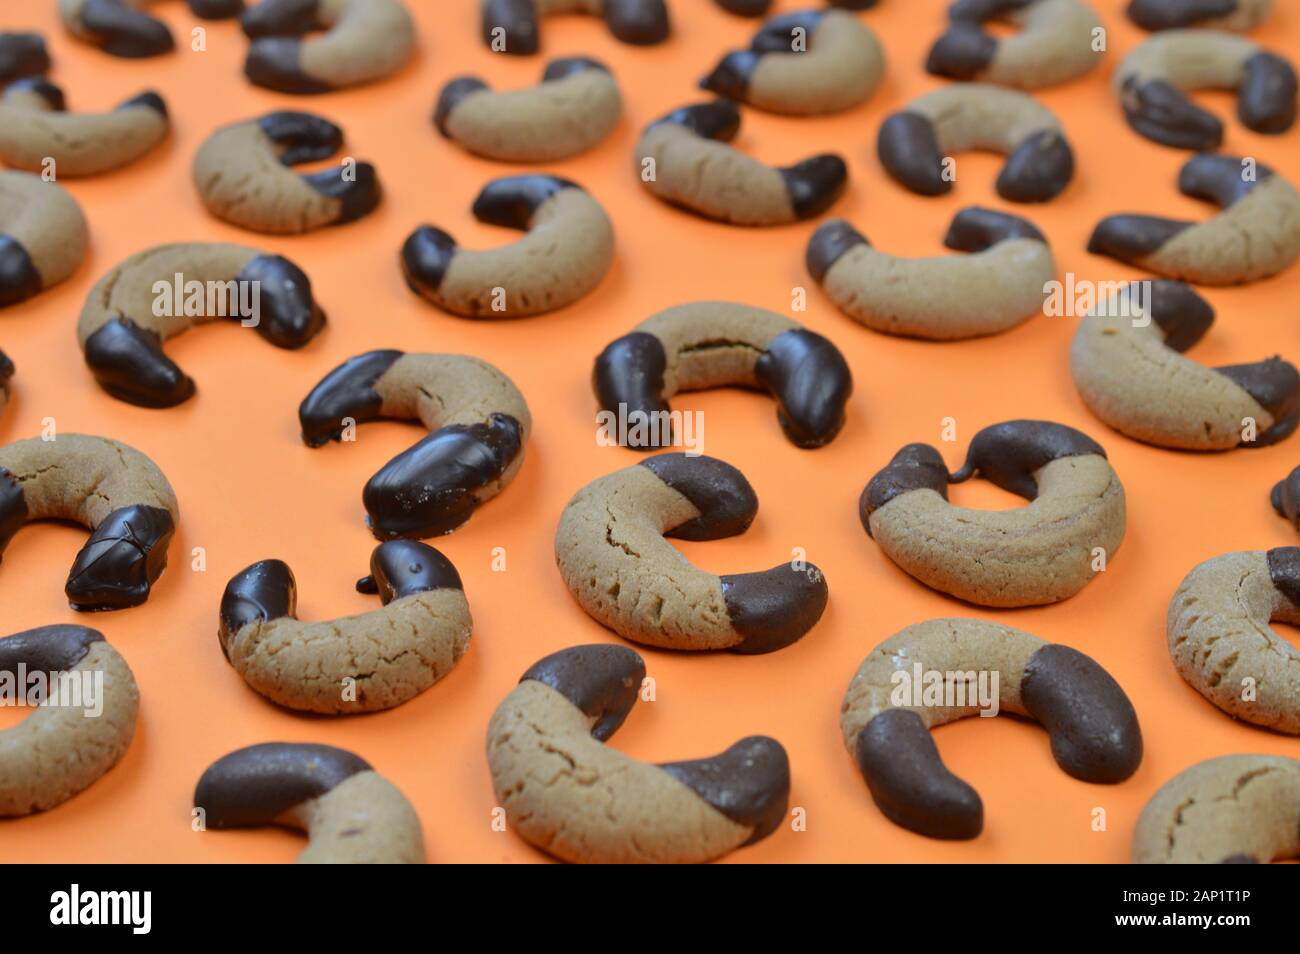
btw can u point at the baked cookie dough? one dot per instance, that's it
(567, 249)
(122, 28)
(684, 159)
(803, 64)
(710, 344)
(1054, 43)
(244, 175)
(1127, 364)
(567, 793)
(479, 424)
(35, 130)
(1001, 284)
(1234, 809)
(115, 491)
(1042, 553)
(1256, 235)
(1239, 15)
(513, 26)
(22, 54)
(985, 668)
(1221, 642)
(1152, 84)
(76, 733)
(916, 144)
(612, 555)
(574, 107)
(42, 235)
(363, 41)
(351, 813)
(121, 330)
(365, 663)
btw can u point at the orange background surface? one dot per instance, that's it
(249, 489)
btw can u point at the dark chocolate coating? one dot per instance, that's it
(518, 21)
(772, 609)
(1173, 14)
(1091, 722)
(1219, 179)
(909, 782)
(6, 372)
(831, 240)
(978, 11)
(724, 498)
(1266, 98)
(258, 784)
(630, 372)
(290, 316)
(47, 648)
(302, 137)
(22, 54)
(718, 120)
(429, 489)
(975, 229)
(639, 22)
(148, 98)
(264, 591)
(13, 508)
(426, 256)
(122, 31)
(1285, 497)
(357, 196)
(749, 783)
(275, 62)
(121, 560)
(1178, 311)
(452, 95)
(1160, 111)
(566, 66)
(814, 184)
(603, 681)
(511, 201)
(1284, 571)
(347, 391)
(1131, 238)
(19, 279)
(280, 18)
(47, 91)
(962, 52)
(215, 9)
(811, 382)
(909, 151)
(129, 363)
(745, 8)
(852, 4)
(1009, 454)
(1275, 384)
(915, 467)
(1038, 169)
(730, 78)
(400, 568)
(1239, 859)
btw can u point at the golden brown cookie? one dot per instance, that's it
(42, 235)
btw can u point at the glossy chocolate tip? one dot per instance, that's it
(291, 317)
(909, 782)
(275, 62)
(1178, 311)
(1163, 113)
(301, 137)
(1275, 386)
(22, 54)
(1266, 98)
(774, 608)
(909, 151)
(6, 372)
(726, 501)
(13, 508)
(915, 467)
(828, 244)
(55, 648)
(1009, 454)
(815, 184)
(216, 9)
(120, 562)
(1284, 571)
(51, 95)
(811, 382)
(718, 120)
(1173, 14)
(511, 26)
(148, 99)
(280, 18)
(566, 66)
(258, 784)
(452, 95)
(962, 52)
(426, 256)
(1093, 727)
(745, 8)
(1285, 497)
(511, 201)
(1220, 179)
(603, 681)
(638, 22)
(749, 783)
(19, 279)
(975, 229)
(1038, 169)
(128, 362)
(432, 487)
(358, 194)
(122, 31)
(401, 568)
(629, 374)
(1131, 238)
(730, 78)
(262, 592)
(347, 391)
